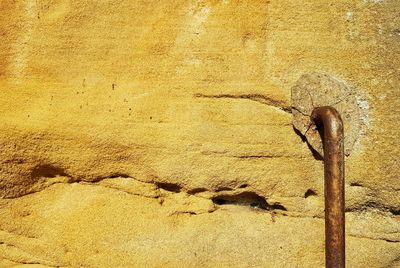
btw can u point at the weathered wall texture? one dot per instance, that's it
(159, 133)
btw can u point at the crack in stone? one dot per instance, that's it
(261, 156)
(253, 97)
(225, 153)
(269, 156)
(368, 205)
(377, 239)
(30, 262)
(175, 188)
(301, 112)
(40, 262)
(342, 99)
(118, 189)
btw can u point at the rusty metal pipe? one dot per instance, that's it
(330, 125)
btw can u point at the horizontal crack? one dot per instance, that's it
(119, 189)
(250, 156)
(372, 238)
(175, 188)
(262, 156)
(247, 198)
(253, 97)
(37, 261)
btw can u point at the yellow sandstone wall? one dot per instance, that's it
(159, 133)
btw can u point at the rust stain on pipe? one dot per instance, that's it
(330, 124)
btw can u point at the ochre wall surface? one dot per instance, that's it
(159, 133)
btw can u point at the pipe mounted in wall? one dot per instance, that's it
(330, 125)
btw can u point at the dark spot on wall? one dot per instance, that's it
(223, 188)
(310, 192)
(170, 187)
(119, 175)
(395, 211)
(277, 206)
(196, 190)
(48, 171)
(249, 199)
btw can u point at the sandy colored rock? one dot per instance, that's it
(159, 133)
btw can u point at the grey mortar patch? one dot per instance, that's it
(315, 90)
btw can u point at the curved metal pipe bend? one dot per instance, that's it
(333, 146)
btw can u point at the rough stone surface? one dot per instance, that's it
(159, 133)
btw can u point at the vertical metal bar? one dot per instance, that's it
(333, 137)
